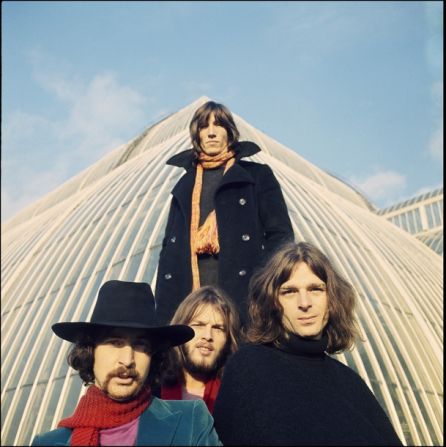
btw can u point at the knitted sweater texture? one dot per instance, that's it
(272, 397)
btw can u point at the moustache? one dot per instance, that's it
(123, 373)
(205, 345)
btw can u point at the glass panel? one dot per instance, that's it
(6, 401)
(419, 227)
(33, 412)
(401, 416)
(56, 388)
(11, 430)
(133, 266)
(74, 389)
(152, 264)
(430, 219)
(49, 343)
(404, 222)
(438, 410)
(92, 293)
(116, 269)
(27, 351)
(411, 222)
(437, 216)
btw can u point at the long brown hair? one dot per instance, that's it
(223, 117)
(189, 307)
(265, 310)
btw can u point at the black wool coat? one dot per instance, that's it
(252, 220)
(271, 397)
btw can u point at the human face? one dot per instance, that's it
(204, 352)
(213, 138)
(305, 303)
(121, 363)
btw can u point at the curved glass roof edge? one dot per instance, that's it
(413, 200)
(127, 151)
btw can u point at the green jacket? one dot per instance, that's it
(164, 422)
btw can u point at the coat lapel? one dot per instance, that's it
(183, 192)
(183, 189)
(236, 174)
(157, 425)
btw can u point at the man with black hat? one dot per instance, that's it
(118, 354)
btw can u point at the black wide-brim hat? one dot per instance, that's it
(128, 305)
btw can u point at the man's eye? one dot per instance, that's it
(141, 347)
(287, 291)
(317, 290)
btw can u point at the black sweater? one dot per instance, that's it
(272, 397)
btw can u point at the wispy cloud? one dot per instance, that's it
(29, 185)
(383, 186)
(96, 116)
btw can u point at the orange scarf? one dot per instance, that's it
(205, 238)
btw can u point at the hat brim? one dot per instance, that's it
(167, 336)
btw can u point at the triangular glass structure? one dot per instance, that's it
(108, 222)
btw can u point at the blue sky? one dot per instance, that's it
(354, 87)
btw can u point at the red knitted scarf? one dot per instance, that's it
(210, 392)
(96, 411)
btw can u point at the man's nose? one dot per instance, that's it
(126, 356)
(211, 131)
(207, 332)
(304, 300)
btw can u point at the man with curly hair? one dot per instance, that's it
(118, 354)
(283, 388)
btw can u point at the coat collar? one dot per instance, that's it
(158, 424)
(186, 158)
(185, 185)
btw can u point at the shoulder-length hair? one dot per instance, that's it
(81, 359)
(223, 117)
(265, 311)
(189, 307)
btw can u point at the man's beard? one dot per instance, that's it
(203, 369)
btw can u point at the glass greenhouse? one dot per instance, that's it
(108, 223)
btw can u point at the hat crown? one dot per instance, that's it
(125, 303)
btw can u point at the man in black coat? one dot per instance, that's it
(226, 216)
(282, 388)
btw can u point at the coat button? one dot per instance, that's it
(173, 239)
(245, 237)
(242, 272)
(167, 276)
(242, 201)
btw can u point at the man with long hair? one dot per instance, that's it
(118, 354)
(283, 388)
(226, 215)
(194, 369)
